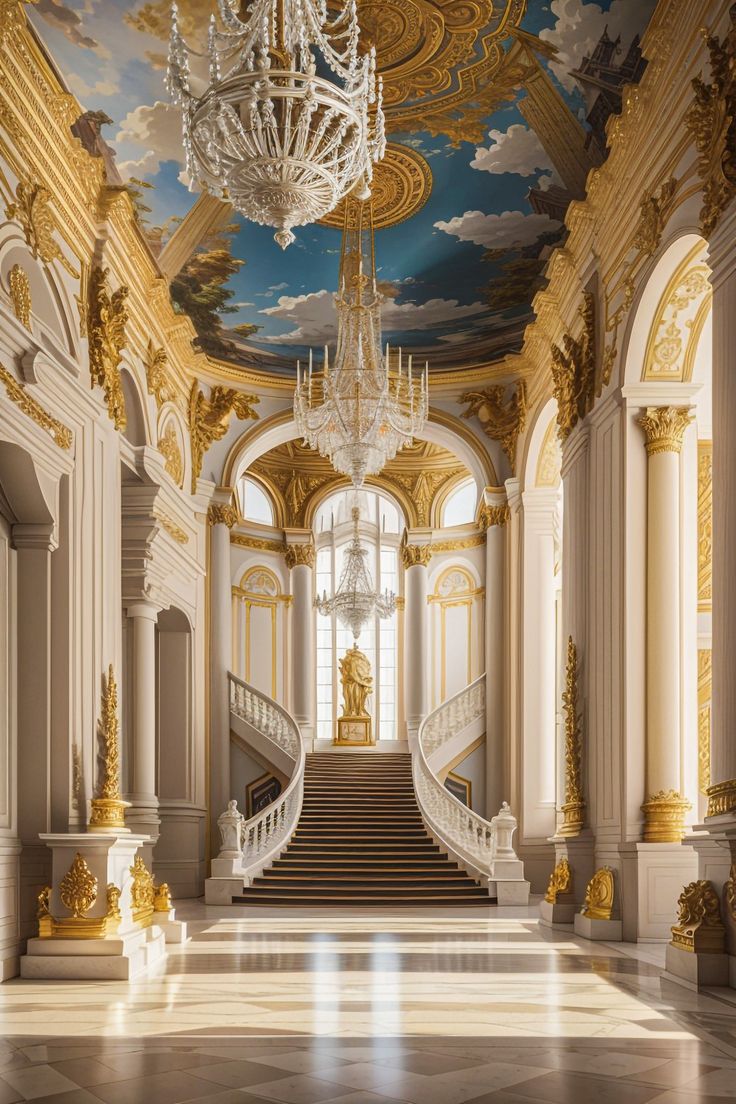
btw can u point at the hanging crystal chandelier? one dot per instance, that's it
(291, 118)
(360, 411)
(355, 602)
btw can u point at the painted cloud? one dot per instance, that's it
(516, 150)
(510, 230)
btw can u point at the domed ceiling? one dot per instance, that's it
(495, 114)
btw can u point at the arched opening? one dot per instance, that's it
(460, 505)
(254, 502)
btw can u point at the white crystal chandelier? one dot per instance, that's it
(361, 410)
(290, 119)
(355, 602)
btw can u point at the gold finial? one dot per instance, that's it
(108, 810)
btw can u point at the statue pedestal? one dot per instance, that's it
(561, 914)
(354, 732)
(590, 928)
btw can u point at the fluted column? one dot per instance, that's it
(221, 519)
(143, 814)
(415, 558)
(300, 561)
(722, 258)
(493, 518)
(665, 808)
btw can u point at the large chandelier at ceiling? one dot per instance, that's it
(290, 119)
(366, 406)
(355, 601)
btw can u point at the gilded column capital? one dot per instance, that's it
(722, 798)
(222, 515)
(416, 555)
(664, 428)
(664, 817)
(493, 515)
(299, 555)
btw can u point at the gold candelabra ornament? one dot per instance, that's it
(573, 809)
(108, 810)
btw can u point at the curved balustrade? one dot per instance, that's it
(466, 833)
(268, 832)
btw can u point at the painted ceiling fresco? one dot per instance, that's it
(495, 113)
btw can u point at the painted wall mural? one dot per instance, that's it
(495, 114)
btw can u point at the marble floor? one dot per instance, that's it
(450, 1008)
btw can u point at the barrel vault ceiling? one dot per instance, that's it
(489, 139)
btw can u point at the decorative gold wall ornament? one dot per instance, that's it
(106, 321)
(79, 926)
(493, 515)
(722, 798)
(560, 881)
(168, 446)
(664, 428)
(575, 382)
(299, 555)
(655, 210)
(12, 17)
(573, 809)
(210, 417)
(31, 209)
(162, 898)
(711, 122)
(142, 893)
(705, 526)
(677, 326)
(705, 681)
(108, 810)
(729, 892)
(500, 420)
(219, 514)
(598, 904)
(413, 555)
(699, 928)
(175, 531)
(259, 544)
(401, 185)
(664, 817)
(78, 888)
(18, 394)
(158, 380)
(20, 295)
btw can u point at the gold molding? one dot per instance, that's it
(664, 428)
(108, 810)
(705, 681)
(560, 881)
(573, 809)
(598, 903)
(705, 526)
(209, 419)
(32, 210)
(18, 394)
(678, 320)
(158, 380)
(106, 321)
(175, 531)
(20, 295)
(664, 817)
(654, 211)
(500, 420)
(401, 185)
(168, 446)
(699, 928)
(258, 544)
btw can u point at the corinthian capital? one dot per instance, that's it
(414, 554)
(299, 555)
(664, 428)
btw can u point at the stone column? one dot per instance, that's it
(493, 517)
(143, 814)
(221, 519)
(300, 561)
(415, 558)
(665, 808)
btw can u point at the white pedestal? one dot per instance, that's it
(559, 915)
(607, 930)
(652, 877)
(115, 958)
(174, 930)
(512, 891)
(220, 891)
(696, 971)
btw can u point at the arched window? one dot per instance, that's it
(380, 525)
(459, 508)
(255, 505)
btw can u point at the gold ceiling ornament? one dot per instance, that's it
(705, 683)
(729, 892)
(560, 881)
(108, 810)
(78, 888)
(493, 515)
(664, 817)
(175, 531)
(221, 514)
(416, 555)
(157, 375)
(699, 928)
(12, 17)
(711, 121)
(106, 321)
(664, 428)
(299, 555)
(32, 210)
(574, 378)
(401, 185)
(598, 903)
(573, 809)
(142, 892)
(705, 526)
(655, 209)
(168, 446)
(18, 394)
(20, 295)
(421, 489)
(209, 419)
(500, 420)
(722, 798)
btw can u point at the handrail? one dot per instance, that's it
(467, 834)
(266, 833)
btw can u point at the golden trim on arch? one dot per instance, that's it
(18, 394)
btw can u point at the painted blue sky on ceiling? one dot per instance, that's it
(458, 275)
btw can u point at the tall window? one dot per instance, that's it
(380, 526)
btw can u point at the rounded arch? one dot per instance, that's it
(455, 579)
(396, 497)
(49, 301)
(446, 491)
(542, 449)
(136, 423)
(260, 580)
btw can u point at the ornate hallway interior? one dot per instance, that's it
(405, 1007)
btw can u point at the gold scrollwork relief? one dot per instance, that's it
(106, 321)
(168, 446)
(560, 881)
(210, 417)
(575, 382)
(31, 208)
(573, 809)
(299, 555)
(108, 810)
(502, 420)
(598, 904)
(20, 295)
(413, 555)
(664, 428)
(18, 394)
(699, 928)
